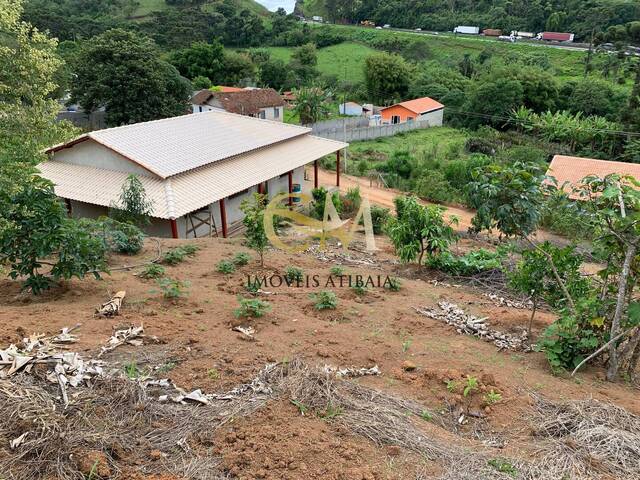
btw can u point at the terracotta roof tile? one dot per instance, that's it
(572, 170)
(421, 105)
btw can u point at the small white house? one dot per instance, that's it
(351, 109)
(196, 169)
(263, 103)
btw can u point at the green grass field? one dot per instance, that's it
(435, 142)
(345, 61)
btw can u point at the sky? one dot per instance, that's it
(273, 5)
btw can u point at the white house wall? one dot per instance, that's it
(434, 118)
(92, 154)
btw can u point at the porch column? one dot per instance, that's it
(338, 168)
(290, 175)
(315, 174)
(174, 228)
(223, 218)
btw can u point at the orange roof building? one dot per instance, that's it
(570, 171)
(420, 109)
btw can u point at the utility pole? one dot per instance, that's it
(587, 65)
(344, 120)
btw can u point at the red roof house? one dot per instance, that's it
(420, 109)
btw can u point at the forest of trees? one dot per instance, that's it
(612, 20)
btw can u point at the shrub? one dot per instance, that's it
(319, 202)
(241, 258)
(176, 255)
(394, 284)
(337, 270)
(226, 266)
(359, 289)
(117, 236)
(433, 186)
(293, 274)
(133, 205)
(351, 202)
(379, 217)
(172, 289)
(325, 300)
(153, 270)
(476, 261)
(251, 308)
(568, 341)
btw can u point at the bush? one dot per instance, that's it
(173, 289)
(350, 202)
(118, 236)
(394, 284)
(325, 300)
(241, 259)
(433, 186)
(153, 270)
(337, 270)
(379, 217)
(226, 266)
(177, 255)
(568, 341)
(251, 308)
(319, 202)
(293, 274)
(469, 264)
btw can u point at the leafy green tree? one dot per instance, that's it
(273, 73)
(418, 229)
(312, 104)
(387, 78)
(239, 69)
(133, 206)
(201, 83)
(507, 197)
(253, 221)
(539, 87)
(201, 59)
(534, 276)
(303, 63)
(493, 100)
(121, 71)
(37, 240)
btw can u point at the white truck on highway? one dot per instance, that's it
(467, 30)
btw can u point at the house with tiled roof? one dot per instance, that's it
(424, 109)
(196, 169)
(264, 103)
(570, 171)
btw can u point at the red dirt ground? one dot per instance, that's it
(198, 349)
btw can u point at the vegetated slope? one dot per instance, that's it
(344, 61)
(578, 16)
(54, 15)
(425, 366)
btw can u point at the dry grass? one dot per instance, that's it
(589, 439)
(123, 422)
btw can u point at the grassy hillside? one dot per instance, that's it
(345, 61)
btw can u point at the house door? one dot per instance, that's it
(395, 119)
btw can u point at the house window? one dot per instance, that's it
(276, 112)
(395, 119)
(263, 115)
(200, 109)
